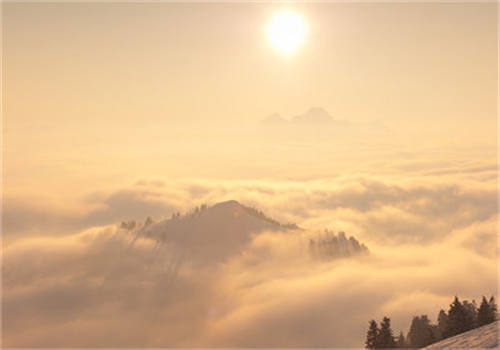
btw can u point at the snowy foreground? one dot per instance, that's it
(484, 337)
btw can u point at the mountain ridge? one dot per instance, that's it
(213, 233)
(313, 116)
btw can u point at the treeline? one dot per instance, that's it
(192, 213)
(334, 245)
(198, 210)
(260, 215)
(461, 317)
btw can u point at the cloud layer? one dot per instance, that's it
(82, 284)
(96, 288)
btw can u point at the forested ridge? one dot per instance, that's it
(460, 317)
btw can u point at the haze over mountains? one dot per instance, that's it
(317, 122)
(315, 115)
(116, 111)
(209, 234)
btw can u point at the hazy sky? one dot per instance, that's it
(119, 111)
(165, 64)
(99, 83)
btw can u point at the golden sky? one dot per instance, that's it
(118, 83)
(119, 111)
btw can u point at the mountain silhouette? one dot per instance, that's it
(212, 233)
(313, 117)
(274, 119)
(318, 116)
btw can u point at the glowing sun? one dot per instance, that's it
(285, 31)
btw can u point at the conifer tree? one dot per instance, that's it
(484, 313)
(470, 314)
(457, 319)
(386, 338)
(401, 343)
(421, 332)
(372, 336)
(442, 323)
(493, 308)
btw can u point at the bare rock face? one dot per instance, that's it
(485, 337)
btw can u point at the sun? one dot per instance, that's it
(286, 31)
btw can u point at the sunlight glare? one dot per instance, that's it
(286, 31)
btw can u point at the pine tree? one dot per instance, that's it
(421, 332)
(386, 338)
(484, 313)
(372, 336)
(442, 323)
(470, 314)
(401, 344)
(457, 319)
(493, 308)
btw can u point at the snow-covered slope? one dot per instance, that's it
(485, 337)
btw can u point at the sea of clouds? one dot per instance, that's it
(72, 277)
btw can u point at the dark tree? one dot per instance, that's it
(487, 312)
(461, 317)
(457, 319)
(470, 314)
(401, 343)
(386, 338)
(493, 308)
(421, 332)
(149, 221)
(484, 313)
(372, 335)
(442, 323)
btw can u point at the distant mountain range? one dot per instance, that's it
(315, 115)
(318, 121)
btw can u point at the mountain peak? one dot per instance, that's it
(228, 203)
(211, 233)
(314, 115)
(274, 119)
(317, 110)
